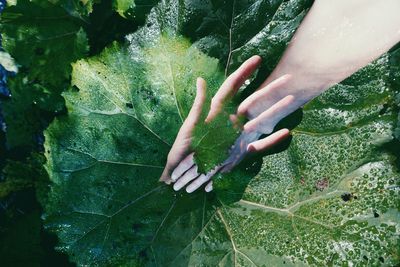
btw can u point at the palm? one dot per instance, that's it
(263, 108)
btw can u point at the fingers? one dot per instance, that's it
(186, 178)
(192, 174)
(197, 183)
(202, 179)
(179, 151)
(232, 85)
(269, 141)
(165, 176)
(182, 167)
(267, 120)
(198, 103)
(209, 187)
(199, 180)
(197, 107)
(266, 96)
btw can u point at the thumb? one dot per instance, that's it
(197, 107)
(166, 175)
(179, 152)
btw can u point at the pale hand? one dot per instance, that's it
(181, 169)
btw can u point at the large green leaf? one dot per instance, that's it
(328, 199)
(137, 122)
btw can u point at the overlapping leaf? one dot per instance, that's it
(44, 40)
(329, 199)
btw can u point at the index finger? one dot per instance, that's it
(232, 85)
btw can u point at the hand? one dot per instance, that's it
(264, 109)
(180, 152)
(181, 161)
(180, 167)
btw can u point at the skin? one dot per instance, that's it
(336, 39)
(180, 168)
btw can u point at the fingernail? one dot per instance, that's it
(189, 189)
(177, 187)
(173, 177)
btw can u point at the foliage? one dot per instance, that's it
(141, 119)
(329, 198)
(129, 9)
(394, 80)
(44, 71)
(44, 38)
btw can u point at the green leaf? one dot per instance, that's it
(133, 9)
(25, 112)
(129, 9)
(35, 34)
(77, 8)
(394, 80)
(44, 40)
(16, 179)
(328, 199)
(124, 6)
(129, 128)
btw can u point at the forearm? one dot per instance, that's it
(335, 40)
